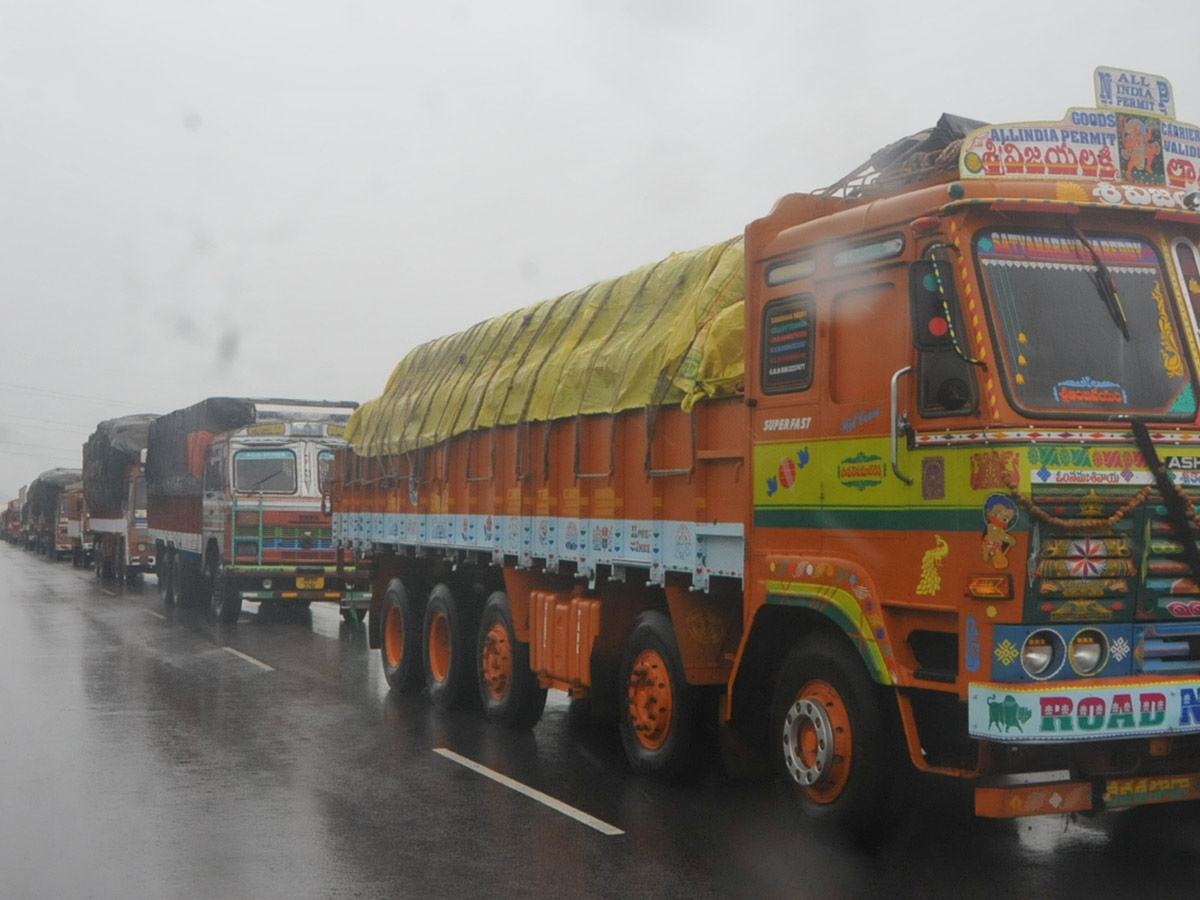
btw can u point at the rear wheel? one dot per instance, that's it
(508, 688)
(658, 721)
(400, 646)
(165, 567)
(179, 580)
(446, 650)
(829, 738)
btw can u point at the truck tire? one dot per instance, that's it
(226, 600)
(400, 639)
(165, 567)
(508, 688)
(179, 580)
(446, 650)
(658, 718)
(829, 740)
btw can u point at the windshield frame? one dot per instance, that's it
(1002, 341)
(264, 452)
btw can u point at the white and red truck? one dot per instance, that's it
(114, 486)
(234, 490)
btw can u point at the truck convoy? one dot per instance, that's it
(233, 489)
(46, 511)
(906, 476)
(114, 485)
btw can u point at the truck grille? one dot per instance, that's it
(1130, 571)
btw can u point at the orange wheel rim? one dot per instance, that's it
(651, 699)
(497, 661)
(439, 646)
(817, 741)
(393, 637)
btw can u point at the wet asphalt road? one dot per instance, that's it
(142, 758)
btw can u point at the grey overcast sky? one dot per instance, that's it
(283, 198)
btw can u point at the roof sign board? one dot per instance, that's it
(1138, 92)
(1157, 155)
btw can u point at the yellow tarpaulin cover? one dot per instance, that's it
(671, 332)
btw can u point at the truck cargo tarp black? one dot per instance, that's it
(42, 500)
(169, 471)
(115, 445)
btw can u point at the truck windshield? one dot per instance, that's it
(269, 471)
(1069, 346)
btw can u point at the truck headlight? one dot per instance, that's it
(1088, 652)
(1042, 654)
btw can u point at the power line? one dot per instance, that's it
(37, 421)
(64, 395)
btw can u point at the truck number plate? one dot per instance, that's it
(309, 582)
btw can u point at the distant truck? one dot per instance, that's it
(234, 491)
(12, 521)
(46, 512)
(114, 486)
(79, 527)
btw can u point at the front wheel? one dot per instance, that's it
(226, 600)
(829, 738)
(509, 689)
(658, 722)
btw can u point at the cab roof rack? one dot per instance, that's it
(922, 157)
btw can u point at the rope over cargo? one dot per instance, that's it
(670, 332)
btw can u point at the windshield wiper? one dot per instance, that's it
(1105, 284)
(262, 480)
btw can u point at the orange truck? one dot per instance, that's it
(48, 505)
(906, 478)
(234, 505)
(114, 486)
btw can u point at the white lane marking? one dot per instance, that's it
(545, 799)
(110, 593)
(157, 615)
(250, 659)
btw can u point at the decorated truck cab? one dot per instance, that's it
(235, 510)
